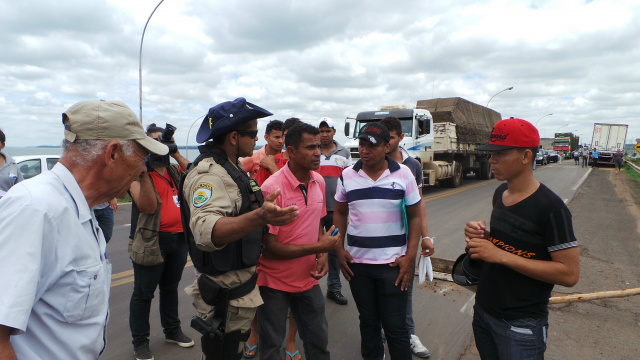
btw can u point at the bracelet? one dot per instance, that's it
(427, 237)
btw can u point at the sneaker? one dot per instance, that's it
(418, 348)
(337, 297)
(142, 352)
(181, 339)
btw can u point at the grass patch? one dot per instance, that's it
(631, 173)
(126, 199)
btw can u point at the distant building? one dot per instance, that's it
(547, 143)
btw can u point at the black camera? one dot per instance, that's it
(154, 161)
(167, 136)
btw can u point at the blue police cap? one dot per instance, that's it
(228, 116)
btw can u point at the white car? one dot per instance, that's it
(32, 165)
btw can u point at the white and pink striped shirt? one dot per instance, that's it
(376, 231)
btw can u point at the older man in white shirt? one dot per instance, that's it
(55, 277)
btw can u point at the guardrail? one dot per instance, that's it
(633, 166)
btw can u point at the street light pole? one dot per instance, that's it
(542, 118)
(509, 88)
(140, 59)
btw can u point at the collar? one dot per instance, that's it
(404, 153)
(70, 183)
(393, 166)
(291, 179)
(338, 148)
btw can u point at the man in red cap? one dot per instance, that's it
(529, 248)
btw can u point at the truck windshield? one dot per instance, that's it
(405, 122)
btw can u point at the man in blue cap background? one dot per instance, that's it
(224, 216)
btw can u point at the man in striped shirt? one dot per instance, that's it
(334, 159)
(377, 195)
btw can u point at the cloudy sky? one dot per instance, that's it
(579, 60)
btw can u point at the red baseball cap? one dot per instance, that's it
(512, 133)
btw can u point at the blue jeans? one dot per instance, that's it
(166, 276)
(411, 325)
(307, 308)
(333, 278)
(105, 221)
(379, 301)
(522, 339)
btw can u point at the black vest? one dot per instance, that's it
(239, 254)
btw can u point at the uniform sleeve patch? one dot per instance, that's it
(202, 194)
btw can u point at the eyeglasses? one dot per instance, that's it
(250, 133)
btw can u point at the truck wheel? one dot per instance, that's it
(456, 180)
(485, 171)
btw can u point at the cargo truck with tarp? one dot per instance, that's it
(442, 134)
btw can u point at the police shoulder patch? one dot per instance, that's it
(202, 194)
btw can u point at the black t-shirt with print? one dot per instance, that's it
(532, 228)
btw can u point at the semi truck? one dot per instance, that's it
(565, 143)
(608, 138)
(442, 134)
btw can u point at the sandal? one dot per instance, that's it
(248, 348)
(292, 356)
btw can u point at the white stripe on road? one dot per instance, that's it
(584, 177)
(468, 307)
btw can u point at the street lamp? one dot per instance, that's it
(542, 118)
(140, 59)
(509, 88)
(557, 131)
(189, 132)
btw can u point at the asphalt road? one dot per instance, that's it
(442, 310)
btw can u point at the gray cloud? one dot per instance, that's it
(319, 59)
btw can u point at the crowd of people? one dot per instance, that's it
(262, 228)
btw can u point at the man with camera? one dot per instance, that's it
(157, 248)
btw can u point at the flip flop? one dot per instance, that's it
(250, 348)
(291, 356)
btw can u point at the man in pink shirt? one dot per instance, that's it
(275, 139)
(295, 255)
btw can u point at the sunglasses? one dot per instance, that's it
(251, 133)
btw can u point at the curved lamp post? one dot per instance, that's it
(509, 88)
(140, 59)
(542, 118)
(189, 132)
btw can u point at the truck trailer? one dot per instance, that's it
(442, 134)
(608, 138)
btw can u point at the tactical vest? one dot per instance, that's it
(239, 254)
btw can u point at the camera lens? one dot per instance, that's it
(166, 136)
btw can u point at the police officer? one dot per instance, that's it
(224, 216)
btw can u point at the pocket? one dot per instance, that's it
(523, 328)
(144, 248)
(88, 293)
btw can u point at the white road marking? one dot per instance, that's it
(468, 307)
(582, 179)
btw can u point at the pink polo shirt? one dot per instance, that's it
(251, 164)
(294, 275)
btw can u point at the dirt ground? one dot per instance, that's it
(606, 220)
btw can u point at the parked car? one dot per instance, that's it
(542, 157)
(554, 156)
(32, 165)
